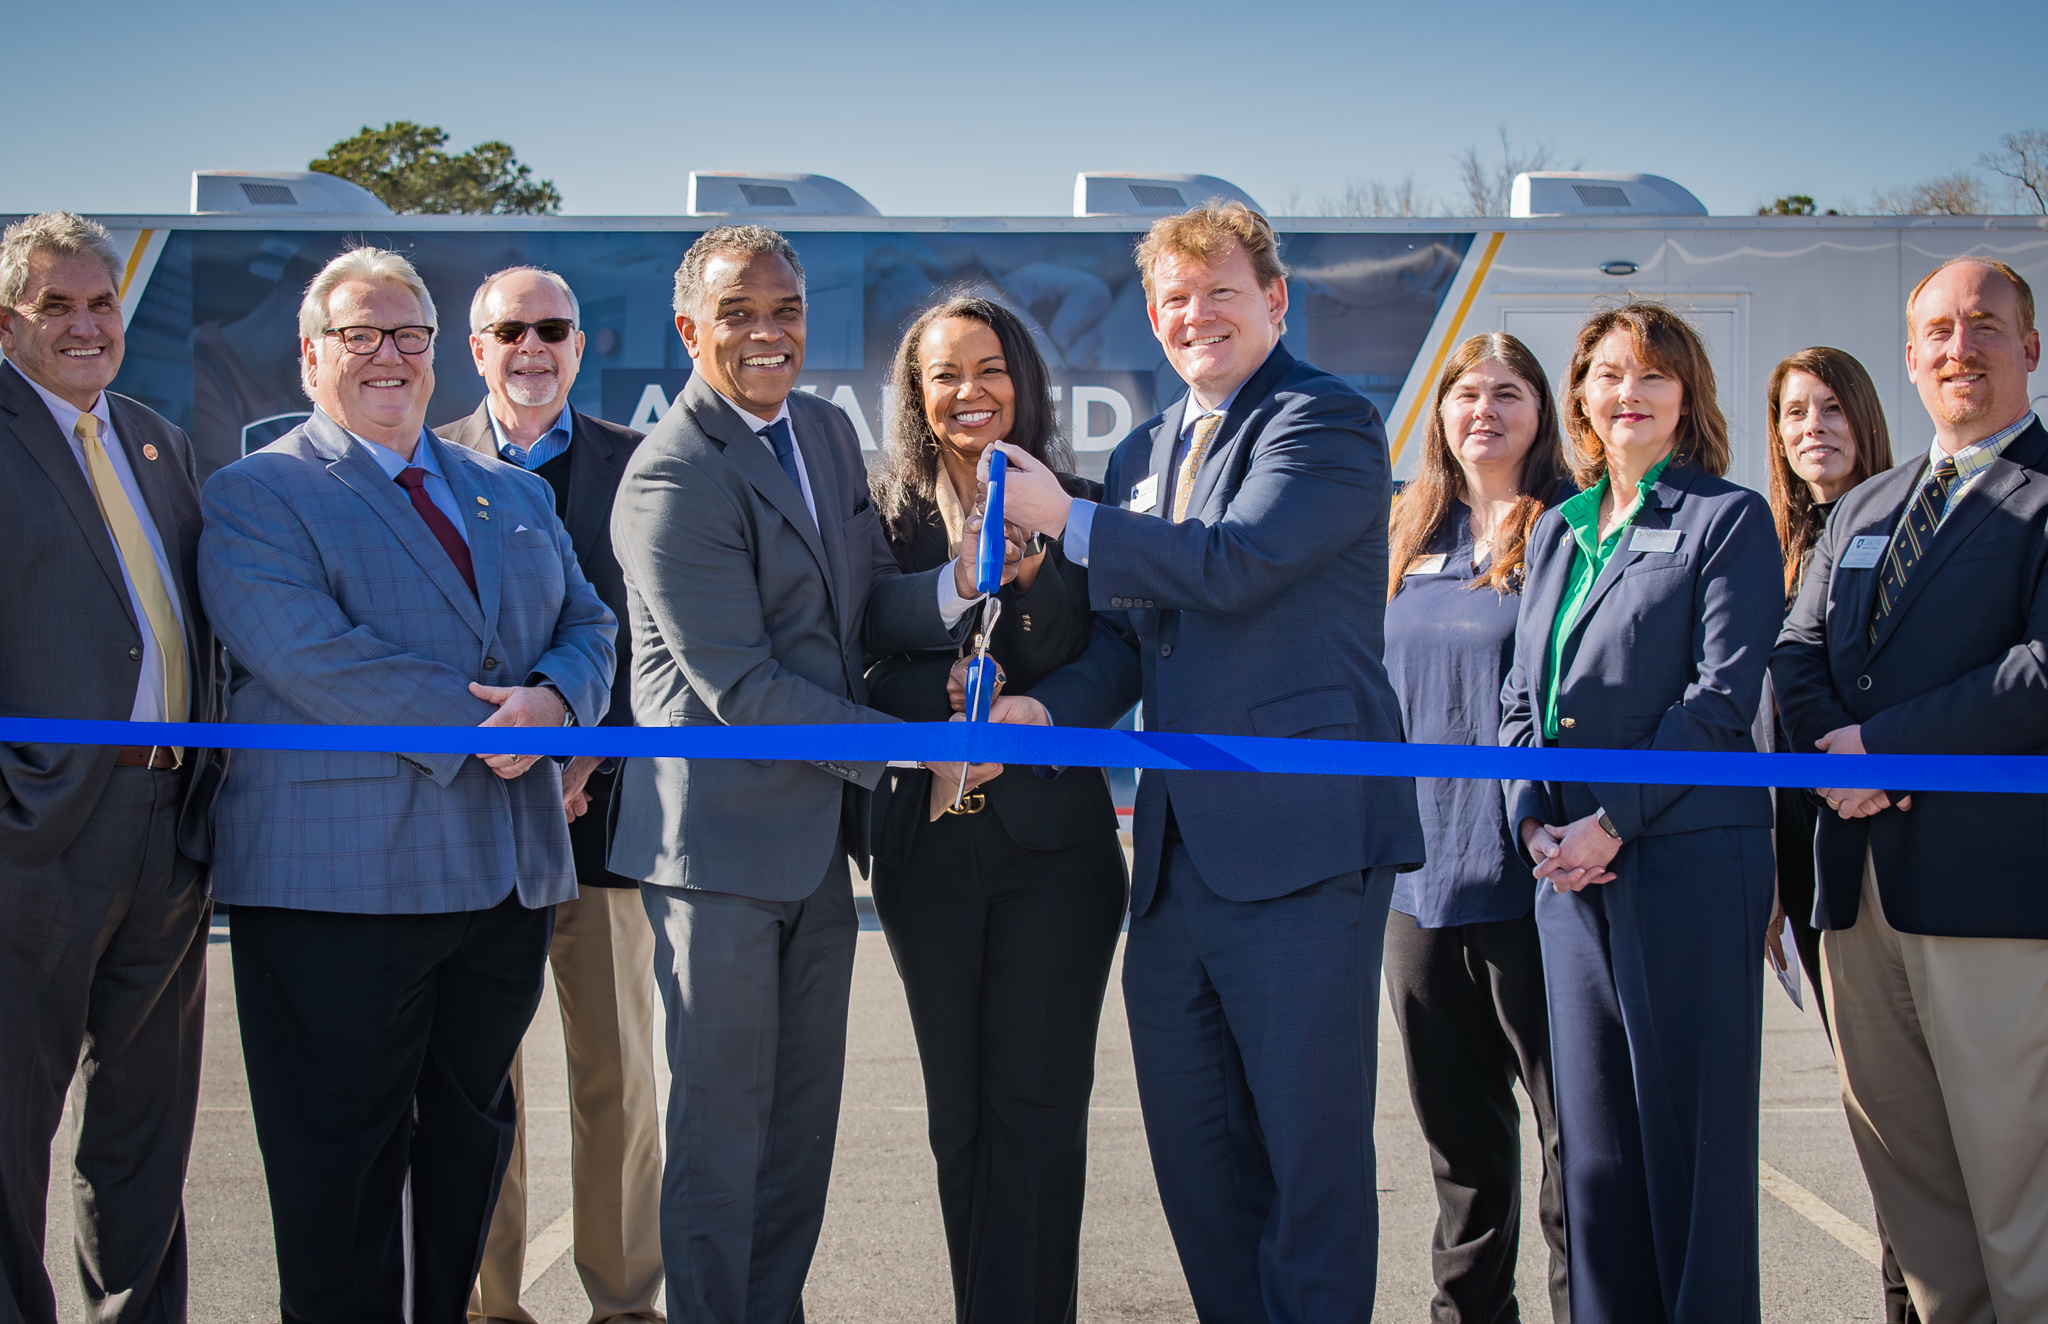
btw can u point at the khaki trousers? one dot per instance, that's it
(1943, 1050)
(603, 961)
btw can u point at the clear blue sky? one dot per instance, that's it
(972, 108)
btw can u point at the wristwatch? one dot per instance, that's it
(1607, 825)
(568, 709)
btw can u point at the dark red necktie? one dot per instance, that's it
(414, 480)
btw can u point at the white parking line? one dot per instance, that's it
(1819, 1212)
(550, 1245)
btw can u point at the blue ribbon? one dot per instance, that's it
(1080, 747)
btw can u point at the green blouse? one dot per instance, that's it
(1582, 516)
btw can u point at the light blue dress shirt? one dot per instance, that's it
(553, 442)
(427, 456)
(1081, 515)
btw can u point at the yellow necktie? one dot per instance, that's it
(1206, 429)
(140, 561)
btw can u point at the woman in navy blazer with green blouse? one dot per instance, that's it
(1651, 604)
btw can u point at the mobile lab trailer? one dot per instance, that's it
(211, 303)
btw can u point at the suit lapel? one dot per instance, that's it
(593, 478)
(1999, 481)
(165, 491)
(472, 487)
(756, 463)
(823, 468)
(1235, 433)
(474, 432)
(1547, 597)
(38, 434)
(1164, 439)
(1852, 594)
(1662, 499)
(361, 475)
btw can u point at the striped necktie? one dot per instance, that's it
(140, 562)
(1910, 543)
(1206, 428)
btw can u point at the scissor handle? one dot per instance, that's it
(989, 553)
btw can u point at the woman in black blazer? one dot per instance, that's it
(1651, 604)
(1003, 916)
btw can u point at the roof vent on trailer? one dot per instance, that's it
(739, 193)
(281, 193)
(1099, 193)
(1579, 193)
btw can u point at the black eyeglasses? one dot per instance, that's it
(553, 330)
(370, 339)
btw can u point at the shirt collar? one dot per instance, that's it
(564, 423)
(1582, 512)
(64, 411)
(1193, 416)
(424, 456)
(1973, 458)
(753, 422)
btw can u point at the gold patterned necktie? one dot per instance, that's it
(1910, 543)
(126, 526)
(1206, 429)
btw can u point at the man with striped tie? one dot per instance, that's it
(103, 849)
(1922, 628)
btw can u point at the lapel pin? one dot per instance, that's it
(481, 515)
(483, 501)
(148, 452)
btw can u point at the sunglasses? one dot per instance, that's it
(553, 330)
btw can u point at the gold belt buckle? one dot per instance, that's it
(971, 803)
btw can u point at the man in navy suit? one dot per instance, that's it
(1239, 576)
(1922, 628)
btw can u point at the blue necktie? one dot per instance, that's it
(778, 436)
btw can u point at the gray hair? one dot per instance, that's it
(738, 240)
(476, 304)
(57, 232)
(371, 265)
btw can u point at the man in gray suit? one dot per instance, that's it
(391, 911)
(103, 909)
(756, 572)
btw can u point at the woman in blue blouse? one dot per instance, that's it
(1652, 601)
(1464, 968)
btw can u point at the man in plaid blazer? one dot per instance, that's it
(390, 911)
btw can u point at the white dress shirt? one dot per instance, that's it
(149, 686)
(951, 605)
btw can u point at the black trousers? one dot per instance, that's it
(103, 972)
(1474, 1020)
(378, 1049)
(1005, 955)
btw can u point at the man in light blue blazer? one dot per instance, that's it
(391, 911)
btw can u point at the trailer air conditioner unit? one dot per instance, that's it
(738, 193)
(1101, 193)
(1579, 193)
(281, 193)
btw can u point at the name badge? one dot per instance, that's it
(1864, 552)
(1428, 565)
(1145, 496)
(1656, 540)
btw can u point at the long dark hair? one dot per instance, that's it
(904, 478)
(1438, 481)
(1792, 504)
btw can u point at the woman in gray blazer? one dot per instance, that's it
(1651, 603)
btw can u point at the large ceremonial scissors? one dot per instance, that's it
(989, 555)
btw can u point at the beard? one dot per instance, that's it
(533, 390)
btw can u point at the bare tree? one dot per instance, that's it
(2022, 158)
(1958, 193)
(1489, 188)
(1376, 197)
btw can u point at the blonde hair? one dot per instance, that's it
(1206, 234)
(1668, 343)
(369, 265)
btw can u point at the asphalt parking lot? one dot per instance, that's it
(882, 1256)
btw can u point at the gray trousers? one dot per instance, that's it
(756, 995)
(103, 973)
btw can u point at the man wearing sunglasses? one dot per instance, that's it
(527, 346)
(392, 911)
